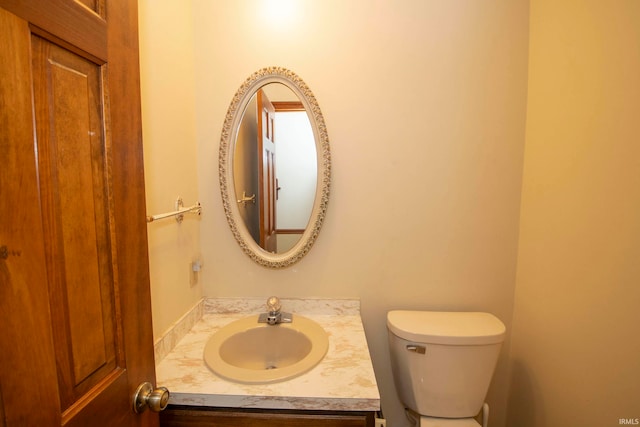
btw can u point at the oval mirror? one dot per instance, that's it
(274, 167)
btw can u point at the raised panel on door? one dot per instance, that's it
(74, 199)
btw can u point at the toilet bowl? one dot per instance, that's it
(443, 362)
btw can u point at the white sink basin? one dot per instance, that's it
(257, 353)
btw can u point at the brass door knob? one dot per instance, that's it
(146, 397)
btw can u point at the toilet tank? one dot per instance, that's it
(443, 362)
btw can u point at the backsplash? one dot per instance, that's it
(178, 330)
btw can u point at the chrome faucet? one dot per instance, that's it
(274, 315)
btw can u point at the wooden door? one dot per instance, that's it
(267, 172)
(75, 336)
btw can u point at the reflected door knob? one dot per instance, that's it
(146, 397)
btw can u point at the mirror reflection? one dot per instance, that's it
(275, 168)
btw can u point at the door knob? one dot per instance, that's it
(146, 397)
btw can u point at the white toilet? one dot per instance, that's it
(442, 364)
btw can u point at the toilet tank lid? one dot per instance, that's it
(446, 327)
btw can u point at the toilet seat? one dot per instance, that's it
(448, 422)
(424, 421)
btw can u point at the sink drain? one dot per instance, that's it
(270, 367)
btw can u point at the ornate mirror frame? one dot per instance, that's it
(225, 166)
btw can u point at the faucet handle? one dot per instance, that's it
(273, 304)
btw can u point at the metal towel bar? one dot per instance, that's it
(178, 213)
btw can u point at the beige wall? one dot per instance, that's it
(576, 346)
(425, 108)
(425, 105)
(168, 112)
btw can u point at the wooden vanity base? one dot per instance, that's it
(193, 416)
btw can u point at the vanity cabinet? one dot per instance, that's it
(340, 391)
(191, 416)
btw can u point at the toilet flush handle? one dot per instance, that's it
(416, 348)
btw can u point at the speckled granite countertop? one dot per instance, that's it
(343, 381)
